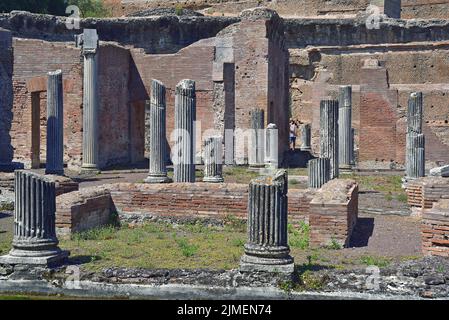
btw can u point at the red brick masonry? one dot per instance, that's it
(422, 193)
(91, 207)
(435, 229)
(333, 213)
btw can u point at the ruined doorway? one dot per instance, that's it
(38, 128)
(137, 145)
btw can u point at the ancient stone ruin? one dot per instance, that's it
(179, 122)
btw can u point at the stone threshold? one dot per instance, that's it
(90, 289)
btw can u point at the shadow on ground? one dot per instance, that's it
(363, 230)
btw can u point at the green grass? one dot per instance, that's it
(378, 261)
(299, 237)
(380, 183)
(158, 245)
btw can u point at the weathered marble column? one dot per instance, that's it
(344, 128)
(329, 134)
(305, 137)
(90, 101)
(157, 134)
(415, 156)
(318, 172)
(55, 124)
(185, 115)
(256, 156)
(213, 159)
(35, 240)
(353, 146)
(271, 146)
(415, 141)
(267, 247)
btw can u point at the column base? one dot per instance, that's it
(48, 260)
(345, 168)
(157, 179)
(213, 179)
(92, 169)
(273, 265)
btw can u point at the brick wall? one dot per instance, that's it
(90, 207)
(82, 210)
(378, 115)
(435, 229)
(114, 114)
(422, 193)
(32, 61)
(333, 213)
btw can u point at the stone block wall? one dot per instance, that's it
(333, 213)
(435, 229)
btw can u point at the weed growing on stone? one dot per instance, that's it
(334, 245)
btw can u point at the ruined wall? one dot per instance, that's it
(193, 62)
(317, 72)
(410, 9)
(114, 136)
(167, 34)
(6, 98)
(31, 66)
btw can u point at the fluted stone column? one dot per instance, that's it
(352, 146)
(415, 156)
(90, 101)
(185, 115)
(318, 172)
(344, 128)
(213, 159)
(55, 124)
(256, 156)
(157, 134)
(271, 146)
(305, 137)
(35, 240)
(415, 141)
(329, 134)
(267, 247)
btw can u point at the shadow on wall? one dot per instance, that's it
(363, 230)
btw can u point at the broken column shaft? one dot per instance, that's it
(185, 116)
(55, 124)
(329, 134)
(157, 134)
(318, 172)
(415, 141)
(35, 240)
(256, 156)
(344, 128)
(267, 247)
(213, 159)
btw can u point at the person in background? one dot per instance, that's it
(293, 129)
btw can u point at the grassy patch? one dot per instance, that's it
(299, 237)
(7, 207)
(387, 184)
(380, 262)
(158, 245)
